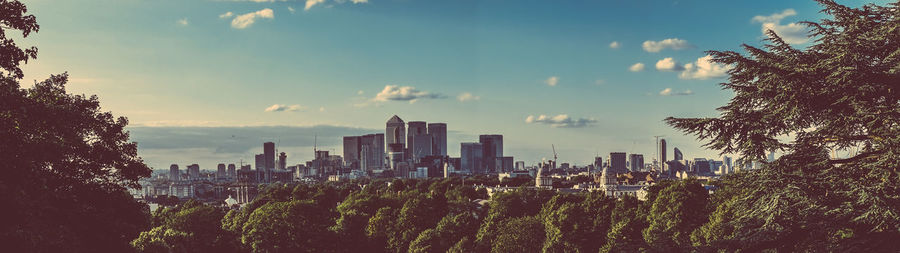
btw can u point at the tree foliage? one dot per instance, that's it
(839, 95)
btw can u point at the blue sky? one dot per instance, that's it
(176, 67)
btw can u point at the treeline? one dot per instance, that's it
(434, 216)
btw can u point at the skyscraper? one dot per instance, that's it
(174, 175)
(636, 162)
(617, 162)
(371, 152)
(352, 147)
(418, 140)
(193, 171)
(438, 132)
(662, 154)
(269, 152)
(678, 155)
(232, 171)
(260, 162)
(471, 157)
(395, 156)
(492, 145)
(282, 161)
(395, 132)
(598, 162)
(221, 170)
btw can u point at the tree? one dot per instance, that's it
(292, 226)
(627, 220)
(190, 227)
(839, 94)
(676, 212)
(12, 17)
(522, 234)
(66, 164)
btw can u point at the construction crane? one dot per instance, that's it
(554, 152)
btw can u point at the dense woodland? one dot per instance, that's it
(66, 165)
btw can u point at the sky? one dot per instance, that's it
(208, 82)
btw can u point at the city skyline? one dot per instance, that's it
(598, 79)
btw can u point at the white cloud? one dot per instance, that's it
(311, 3)
(637, 67)
(704, 68)
(246, 20)
(668, 64)
(226, 15)
(599, 82)
(182, 22)
(614, 45)
(673, 43)
(321, 109)
(561, 121)
(792, 33)
(359, 92)
(291, 9)
(670, 92)
(466, 96)
(403, 93)
(552, 81)
(284, 108)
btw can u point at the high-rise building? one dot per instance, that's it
(174, 175)
(282, 161)
(395, 132)
(471, 157)
(492, 145)
(438, 132)
(617, 162)
(598, 162)
(232, 171)
(678, 155)
(395, 156)
(416, 133)
(726, 160)
(221, 170)
(352, 148)
(269, 152)
(371, 152)
(193, 171)
(702, 166)
(636, 162)
(520, 165)
(506, 164)
(662, 154)
(260, 162)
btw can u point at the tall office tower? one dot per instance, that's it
(193, 171)
(260, 162)
(636, 162)
(231, 171)
(438, 132)
(471, 156)
(416, 130)
(678, 155)
(395, 132)
(598, 163)
(371, 152)
(282, 161)
(173, 172)
(506, 164)
(395, 156)
(492, 145)
(269, 152)
(246, 167)
(726, 160)
(352, 147)
(520, 165)
(221, 170)
(617, 162)
(662, 154)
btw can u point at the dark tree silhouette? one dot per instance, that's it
(839, 94)
(65, 163)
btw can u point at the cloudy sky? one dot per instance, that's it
(208, 81)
